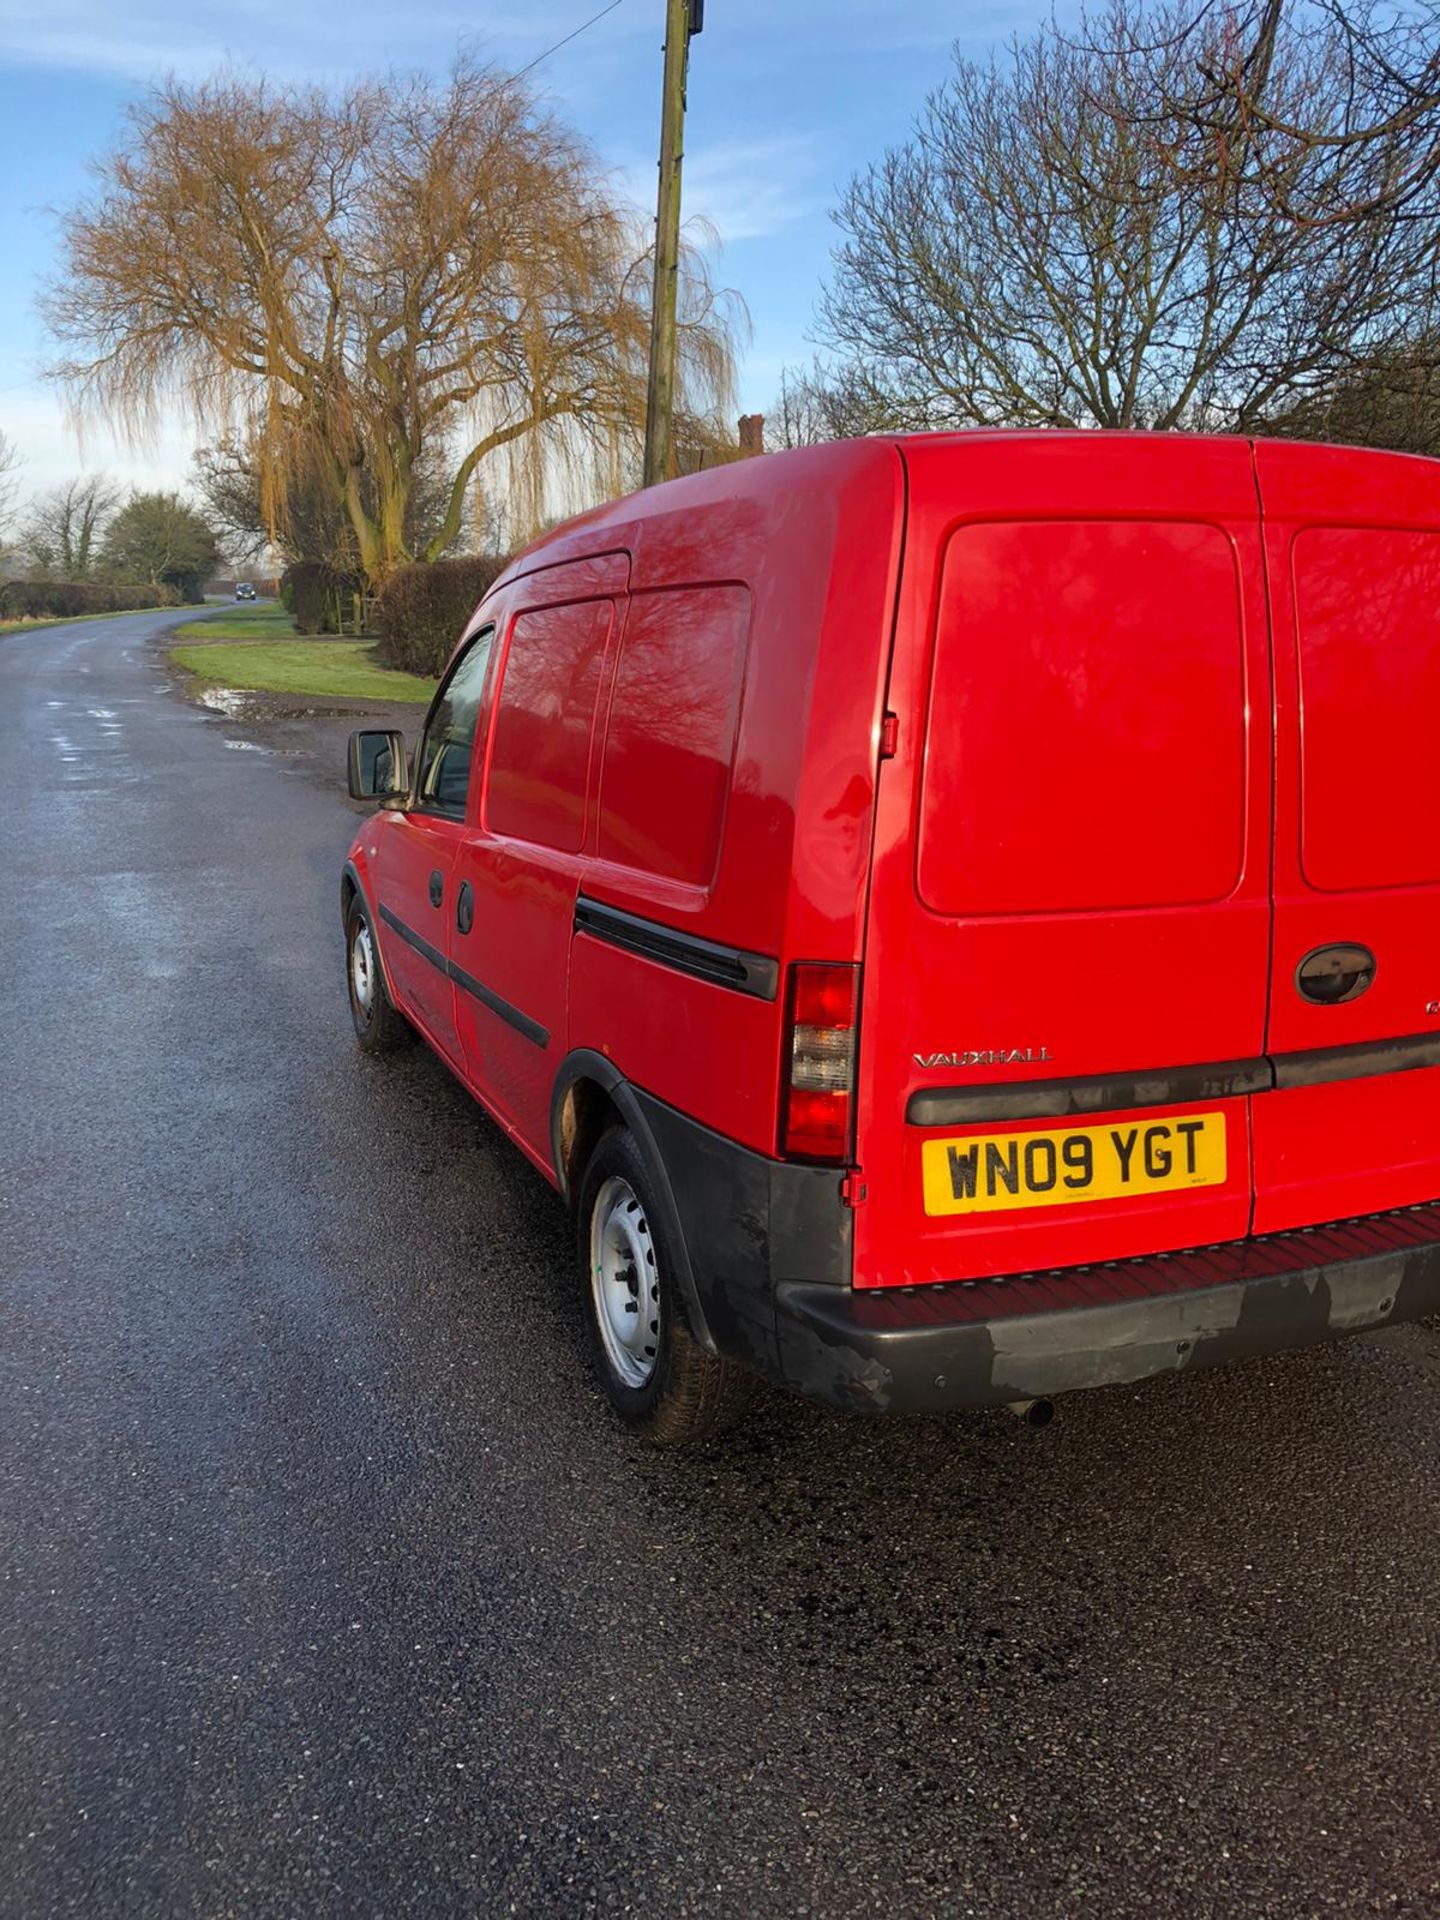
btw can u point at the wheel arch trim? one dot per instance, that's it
(350, 876)
(585, 1064)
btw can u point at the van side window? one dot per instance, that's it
(671, 738)
(449, 744)
(540, 758)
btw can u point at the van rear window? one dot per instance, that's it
(1367, 607)
(671, 736)
(1086, 735)
(540, 758)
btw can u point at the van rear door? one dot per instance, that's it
(1068, 940)
(1353, 552)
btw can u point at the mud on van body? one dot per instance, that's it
(955, 916)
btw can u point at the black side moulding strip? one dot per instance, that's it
(512, 1016)
(722, 966)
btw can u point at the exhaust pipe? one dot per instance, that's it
(1035, 1413)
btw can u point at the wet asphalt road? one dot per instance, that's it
(330, 1588)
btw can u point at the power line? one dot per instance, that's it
(568, 38)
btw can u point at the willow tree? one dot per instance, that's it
(365, 283)
(229, 478)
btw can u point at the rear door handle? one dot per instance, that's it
(1330, 976)
(465, 907)
(437, 887)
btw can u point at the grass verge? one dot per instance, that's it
(265, 623)
(334, 669)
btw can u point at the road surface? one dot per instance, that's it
(330, 1588)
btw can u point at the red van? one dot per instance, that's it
(957, 917)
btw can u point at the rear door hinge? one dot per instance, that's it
(889, 735)
(853, 1188)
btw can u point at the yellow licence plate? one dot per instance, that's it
(993, 1172)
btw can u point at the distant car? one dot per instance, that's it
(244, 590)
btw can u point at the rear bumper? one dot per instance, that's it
(769, 1259)
(925, 1349)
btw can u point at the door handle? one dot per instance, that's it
(437, 887)
(465, 907)
(1332, 975)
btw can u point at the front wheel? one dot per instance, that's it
(378, 1027)
(655, 1374)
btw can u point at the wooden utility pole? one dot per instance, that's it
(682, 18)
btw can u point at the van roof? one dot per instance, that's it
(828, 464)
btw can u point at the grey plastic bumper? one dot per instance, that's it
(924, 1349)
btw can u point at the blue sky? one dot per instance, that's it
(787, 98)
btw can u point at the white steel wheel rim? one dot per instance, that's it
(625, 1282)
(362, 968)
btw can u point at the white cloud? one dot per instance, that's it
(744, 189)
(51, 449)
(748, 188)
(157, 37)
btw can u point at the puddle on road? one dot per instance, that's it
(248, 746)
(226, 700)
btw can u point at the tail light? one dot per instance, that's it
(819, 1096)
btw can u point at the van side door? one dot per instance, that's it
(416, 854)
(512, 913)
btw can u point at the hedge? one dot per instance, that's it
(71, 599)
(422, 609)
(319, 597)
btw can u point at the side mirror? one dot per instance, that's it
(376, 765)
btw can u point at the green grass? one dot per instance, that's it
(241, 623)
(255, 649)
(339, 669)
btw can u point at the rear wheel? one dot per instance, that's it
(655, 1374)
(378, 1027)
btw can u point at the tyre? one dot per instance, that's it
(655, 1375)
(378, 1027)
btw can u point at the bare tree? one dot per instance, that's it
(1079, 234)
(1369, 145)
(1393, 404)
(841, 402)
(410, 269)
(63, 528)
(9, 483)
(228, 480)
